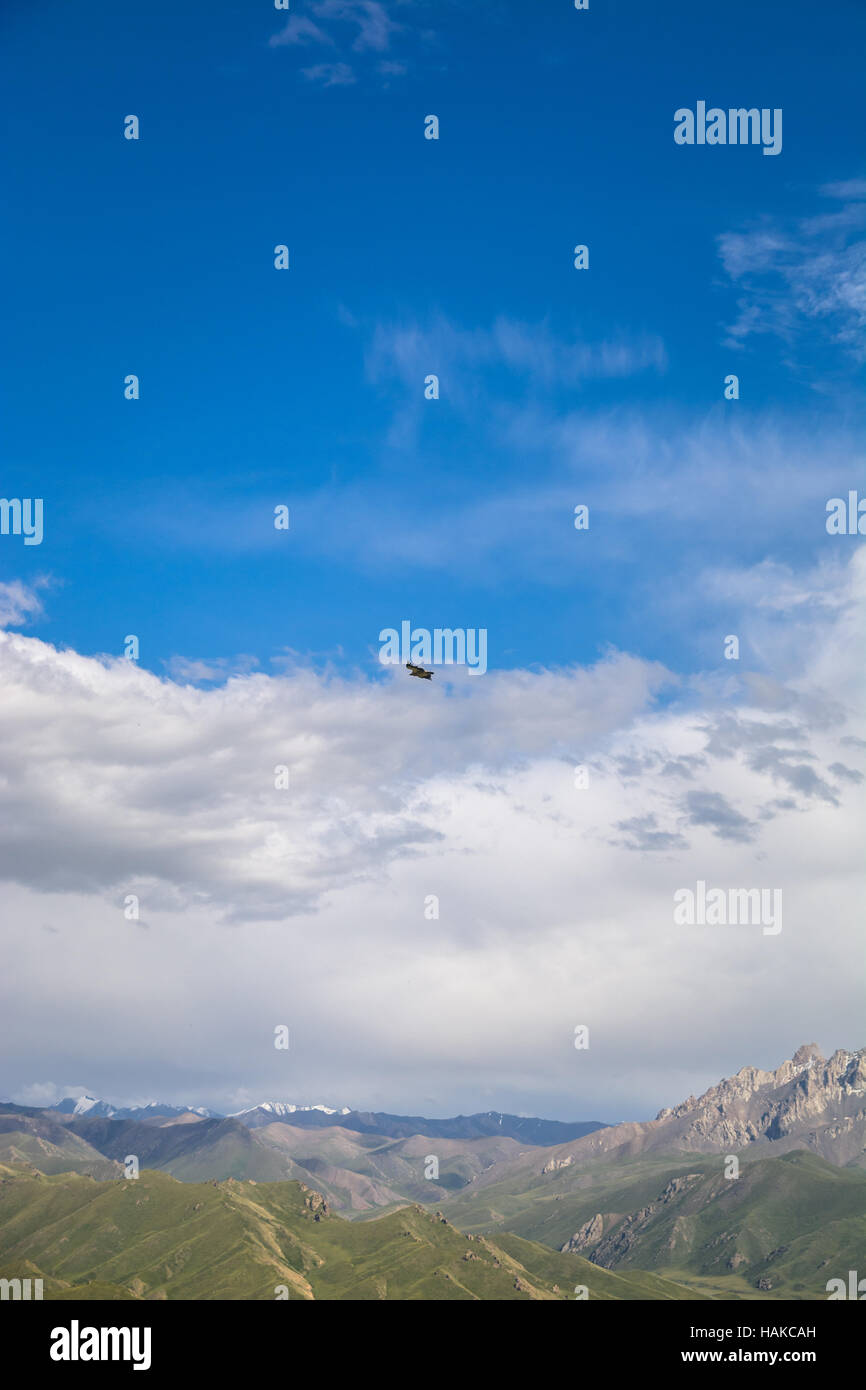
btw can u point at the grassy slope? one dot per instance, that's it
(549, 1207)
(795, 1220)
(158, 1238)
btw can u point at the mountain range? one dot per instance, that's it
(525, 1128)
(756, 1188)
(367, 1159)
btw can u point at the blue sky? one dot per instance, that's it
(259, 648)
(260, 387)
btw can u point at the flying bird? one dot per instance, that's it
(419, 672)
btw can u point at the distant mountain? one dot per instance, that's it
(357, 1172)
(526, 1130)
(540, 1133)
(89, 1105)
(155, 1238)
(269, 1110)
(364, 1160)
(47, 1145)
(83, 1105)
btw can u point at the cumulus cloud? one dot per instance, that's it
(306, 906)
(179, 781)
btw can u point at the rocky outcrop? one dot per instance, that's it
(590, 1233)
(556, 1163)
(609, 1250)
(315, 1202)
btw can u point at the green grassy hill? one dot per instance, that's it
(787, 1224)
(791, 1223)
(549, 1207)
(155, 1237)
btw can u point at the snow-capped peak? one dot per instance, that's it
(282, 1107)
(84, 1103)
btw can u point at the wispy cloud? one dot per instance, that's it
(371, 18)
(359, 27)
(651, 478)
(209, 669)
(534, 351)
(804, 276)
(20, 603)
(848, 188)
(330, 74)
(300, 29)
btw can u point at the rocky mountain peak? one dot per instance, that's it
(811, 1098)
(748, 1081)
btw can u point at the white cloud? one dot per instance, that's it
(19, 603)
(40, 1093)
(306, 907)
